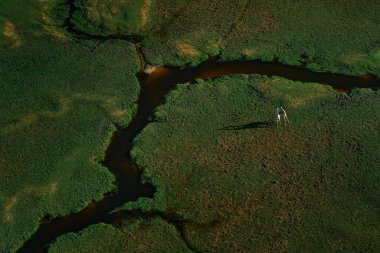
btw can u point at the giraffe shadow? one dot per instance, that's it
(252, 125)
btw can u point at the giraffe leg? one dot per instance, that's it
(286, 119)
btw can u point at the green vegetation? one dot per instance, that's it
(244, 185)
(59, 102)
(333, 36)
(99, 17)
(326, 35)
(218, 162)
(153, 235)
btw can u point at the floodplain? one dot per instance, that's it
(127, 126)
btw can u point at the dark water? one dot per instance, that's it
(153, 89)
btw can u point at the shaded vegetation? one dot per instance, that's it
(153, 235)
(309, 187)
(59, 104)
(334, 36)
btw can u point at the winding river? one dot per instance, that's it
(153, 88)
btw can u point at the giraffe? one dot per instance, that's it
(281, 113)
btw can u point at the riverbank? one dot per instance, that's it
(98, 83)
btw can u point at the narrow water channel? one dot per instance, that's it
(153, 89)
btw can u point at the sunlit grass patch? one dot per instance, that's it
(111, 17)
(187, 50)
(295, 94)
(9, 30)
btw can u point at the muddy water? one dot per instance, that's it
(153, 89)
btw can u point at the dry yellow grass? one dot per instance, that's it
(248, 52)
(144, 13)
(37, 191)
(109, 104)
(9, 30)
(187, 50)
(8, 216)
(292, 94)
(48, 25)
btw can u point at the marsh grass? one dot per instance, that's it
(110, 17)
(59, 103)
(326, 36)
(138, 235)
(311, 186)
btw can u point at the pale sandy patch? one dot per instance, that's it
(114, 10)
(109, 104)
(54, 33)
(187, 50)
(49, 189)
(9, 30)
(248, 52)
(119, 113)
(144, 13)
(8, 216)
(149, 69)
(48, 26)
(289, 92)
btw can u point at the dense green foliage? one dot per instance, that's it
(59, 102)
(245, 185)
(99, 17)
(335, 36)
(326, 35)
(152, 235)
(241, 184)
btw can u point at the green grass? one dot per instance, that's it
(332, 36)
(108, 17)
(59, 103)
(312, 186)
(152, 235)
(328, 35)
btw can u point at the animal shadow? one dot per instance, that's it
(252, 125)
